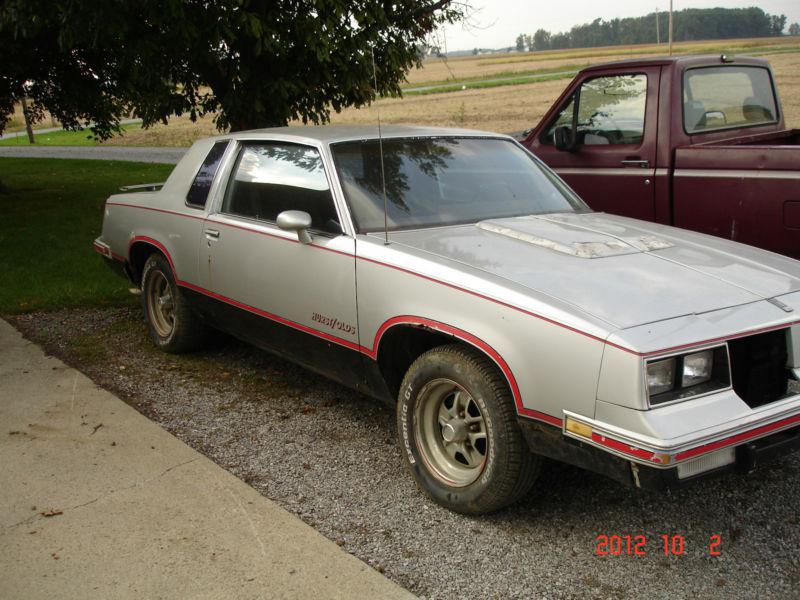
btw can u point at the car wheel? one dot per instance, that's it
(458, 430)
(172, 324)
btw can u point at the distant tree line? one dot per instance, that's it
(688, 24)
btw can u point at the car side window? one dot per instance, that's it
(198, 192)
(610, 111)
(271, 177)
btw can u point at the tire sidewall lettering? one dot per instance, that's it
(405, 427)
(408, 400)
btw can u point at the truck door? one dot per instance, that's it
(611, 163)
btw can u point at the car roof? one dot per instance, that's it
(341, 133)
(681, 61)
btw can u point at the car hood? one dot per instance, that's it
(623, 271)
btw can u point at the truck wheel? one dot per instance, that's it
(458, 431)
(172, 325)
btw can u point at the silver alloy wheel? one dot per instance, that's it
(161, 304)
(451, 432)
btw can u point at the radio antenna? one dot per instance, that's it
(380, 151)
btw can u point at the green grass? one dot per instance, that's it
(51, 212)
(575, 67)
(476, 85)
(61, 138)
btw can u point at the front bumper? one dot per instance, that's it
(686, 441)
(692, 443)
(748, 456)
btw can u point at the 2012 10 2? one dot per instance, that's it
(637, 545)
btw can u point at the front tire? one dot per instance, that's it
(458, 431)
(171, 323)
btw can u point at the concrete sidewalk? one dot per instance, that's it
(134, 512)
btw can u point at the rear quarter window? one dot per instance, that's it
(198, 192)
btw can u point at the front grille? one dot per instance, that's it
(758, 367)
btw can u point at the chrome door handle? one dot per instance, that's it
(212, 234)
(642, 164)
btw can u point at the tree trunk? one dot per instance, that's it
(28, 126)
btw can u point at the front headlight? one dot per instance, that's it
(687, 375)
(660, 376)
(697, 368)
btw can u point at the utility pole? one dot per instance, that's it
(670, 27)
(28, 127)
(658, 32)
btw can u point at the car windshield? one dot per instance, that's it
(436, 181)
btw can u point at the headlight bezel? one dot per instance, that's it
(720, 379)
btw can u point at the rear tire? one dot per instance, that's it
(171, 323)
(458, 431)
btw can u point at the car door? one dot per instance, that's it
(265, 286)
(613, 165)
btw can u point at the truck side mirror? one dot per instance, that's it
(565, 139)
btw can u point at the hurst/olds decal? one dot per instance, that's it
(333, 323)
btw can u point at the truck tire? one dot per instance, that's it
(171, 323)
(458, 432)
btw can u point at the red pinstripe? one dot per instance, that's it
(420, 321)
(271, 316)
(373, 351)
(741, 437)
(479, 295)
(699, 450)
(624, 448)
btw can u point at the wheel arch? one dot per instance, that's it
(401, 340)
(140, 248)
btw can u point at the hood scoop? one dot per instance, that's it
(566, 238)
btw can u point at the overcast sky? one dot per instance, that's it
(496, 23)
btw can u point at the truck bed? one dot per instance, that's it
(778, 151)
(740, 188)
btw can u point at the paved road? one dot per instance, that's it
(23, 133)
(97, 501)
(125, 153)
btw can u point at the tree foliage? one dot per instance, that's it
(252, 63)
(688, 24)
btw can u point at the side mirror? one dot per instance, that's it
(564, 139)
(296, 220)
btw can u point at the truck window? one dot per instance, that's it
(610, 111)
(723, 97)
(272, 177)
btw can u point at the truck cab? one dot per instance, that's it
(697, 142)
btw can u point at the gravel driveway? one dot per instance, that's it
(328, 455)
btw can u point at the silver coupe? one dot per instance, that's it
(452, 274)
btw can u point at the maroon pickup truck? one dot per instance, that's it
(696, 142)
